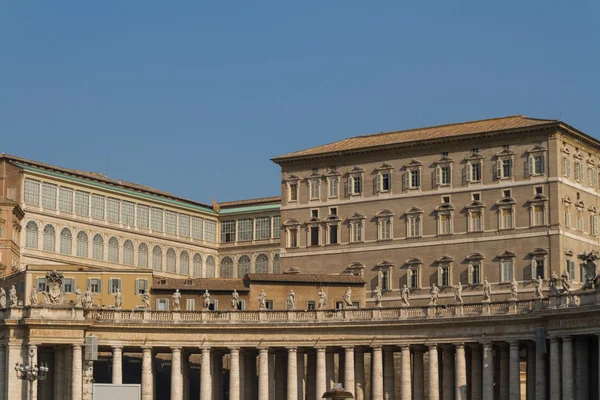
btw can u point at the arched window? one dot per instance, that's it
(226, 269)
(98, 247)
(157, 258)
(31, 235)
(49, 238)
(113, 250)
(276, 265)
(211, 269)
(128, 252)
(184, 263)
(262, 264)
(143, 255)
(171, 260)
(197, 267)
(66, 241)
(243, 266)
(82, 244)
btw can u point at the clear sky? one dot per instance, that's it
(195, 97)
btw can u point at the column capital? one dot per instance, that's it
(432, 346)
(320, 349)
(376, 347)
(117, 348)
(175, 349)
(513, 343)
(405, 346)
(567, 338)
(146, 348)
(263, 350)
(459, 345)
(292, 349)
(204, 349)
(234, 349)
(348, 348)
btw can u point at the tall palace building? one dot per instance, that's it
(279, 298)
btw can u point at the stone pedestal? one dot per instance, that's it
(117, 362)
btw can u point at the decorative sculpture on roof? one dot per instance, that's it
(206, 301)
(235, 300)
(262, 300)
(487, 291)
(176, 300)
(78, 297)
(514, 289)
(553, 284)
(54, 293)
(405, 296)
(33, 297)
(12, 296)
(539, 287)
(322, 299)
(378, 297)
(146, 300)
(118, 299)
(458, 293)
(2, 298)
(565, 282)
(291, 300)
(435, 293)
(348, 298)
(88, 299)
(591, 279)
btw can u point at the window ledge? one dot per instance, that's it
(385, 240)
(415, 237)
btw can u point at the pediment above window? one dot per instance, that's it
(314, 175)
(384, 265)
(538, 198)
(537, 149)
(580, 204)
(475, 256)
(385, 167)
(356, 268)
(414, 210)
(567, 200)
(592, 208)
(414, 261)
(444, 160)
(578, 156)
(413, 164)
(332, 218)
(569, 252)
(384, 213)
(566, 150)
(591, 161)
(333, 172)
(475, 204)
(507, 254)
(313, 221)
(444, 207)
(506, 201)
(474, 157)
(445, 259)
(505, 153)
(292, 178)
(356, 170)
(538, 252)
(291, 223)
(356, 216)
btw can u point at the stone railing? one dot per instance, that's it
(508, 307)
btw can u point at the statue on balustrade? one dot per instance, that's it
(405, 296)
(146, 300)
(591, 279)
(378, 297)
(262, 300)
(487, 291)
(514, 289)
(206, 301)
(347, 298)
(458, 294)
(235, 300)
(553, 284)
(54, 293)
(435, 294)
(78, 297)
(176, 300)
(322, 298)
(33, 297)
(88, 297)
(291, 300)
(118, 299)
(539, 288)
(565, 282)
(2, 298)
(12, 296)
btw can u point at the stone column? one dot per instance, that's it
(567, 368)
(418, 377)
(59, 373)
(311, 375)
(205, 374)
(581, 368)
(330, 360)
(530, 375)
(292, 374)
(147, 378)
(447, 373)
(3, 374)
(460, 373)
(349, 383)
(117, 365)
(77, 372)
(234, 374)
(405, 377)
(434, 375)
(539, 388)
(389, 383)
(376, 374)
(514, 372)
(301, 377)
(176, 378)
(488, 371)
(321, 380)
(555, 376)
(476, 370)
(263, 374)
(68, 366)
(359, 375)
(504, 378)
(32, 349)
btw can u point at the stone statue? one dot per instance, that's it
(12, 296)
(591, 279)
(33, 297)
(378, 297)
(54, 293)
(78, 297)
(514, 289)
(435, 292)
(235, 300)
(262, 300)
(2, 298)
(322, 298)
(347, 297)
(539, 287)
(487, 291)
(146, 300)
(291, 300)
(176, 300)
(565, 282)
(118, 299)
(206, 301)
(553, 285)
(88, 298)
(405, 296)
(458, 294)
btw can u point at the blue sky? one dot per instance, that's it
(194, 97)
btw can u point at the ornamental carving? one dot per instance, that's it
(54, 293)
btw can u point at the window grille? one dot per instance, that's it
(143, 216)
(210, 267)
(197, 225)
(157, 258)
(211, 231)
(128, 213)
(49, 243)
(314, 189)
(31, 235)
(475, 221)
(157, 219)
(243, 266)
(113, 210)
(385, 231)
(98, 247)
(276, 227)
(171, 260)
(184, 263)
(82, 244)
(262, 264)
(143, 255)
(66, 241)
(245, 229)
(65, 200)
(507, 270)
(82, 203)
(293, 192)
(357, 231)
(170, 223)
(128, 252)
(184, 225)
(49, 196)
(226, 269)
(32, 192)
(414, 226)
(227, 231)
(98, 206)
(276, 264)
(507, 218)
(263, 228)
(113, 250)
(334, 183)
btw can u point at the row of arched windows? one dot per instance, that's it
(145, 257)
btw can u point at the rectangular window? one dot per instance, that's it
(94, 285)
(65, 200)
(445, 224)
(385, 231)
(227, 231)
(141, 285)
(143, 216)
(263, 228)
(475, 273)
(571, 269)
(310, 305)
(184, 225)
(211, 231)
(68, 285)
(413, 279)
(269, 304)
(162, 304)
(566, 167)
(567, 217)
(170, 223)
(578, 171)
(293, 242)
(113, 209)
(128, 213)
(475, 221)
(414, 227)
(414, 181)
(276, 227)
(538, 215)
(97, 206)
(49, 196)
(357, 232)
(245, 229)
(593, 225)
(314, 189)
(476, 172)
(356, 185)
(197, 225)
(507, 270)
(82, 203)
(445, 275)
(314, 236)
(190, 304)
(384, 182)
(333, 186)
(538, 165)
(580, 226)
(333, 234)
(445, 175)
(40, 284)
(385, 280)
(32, 192)
(507, 220)
(592, 177)
(538, 267)
(113, 285)
(505, 170)
(293, 192)
(157, 219)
